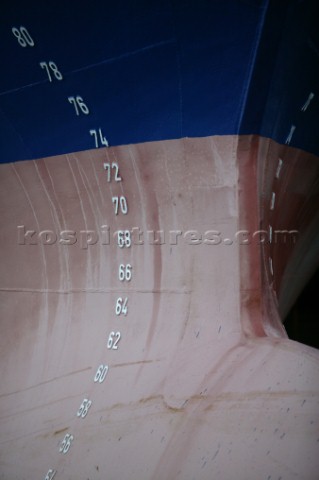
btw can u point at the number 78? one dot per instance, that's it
(51, 68)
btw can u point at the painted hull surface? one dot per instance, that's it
(159, 204)
(202, 381)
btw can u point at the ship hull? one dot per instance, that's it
(202, 381)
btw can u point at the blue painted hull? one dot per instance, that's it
(151, 70)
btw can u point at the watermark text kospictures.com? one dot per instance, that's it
(136, 236)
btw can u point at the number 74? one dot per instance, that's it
(99, 138)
